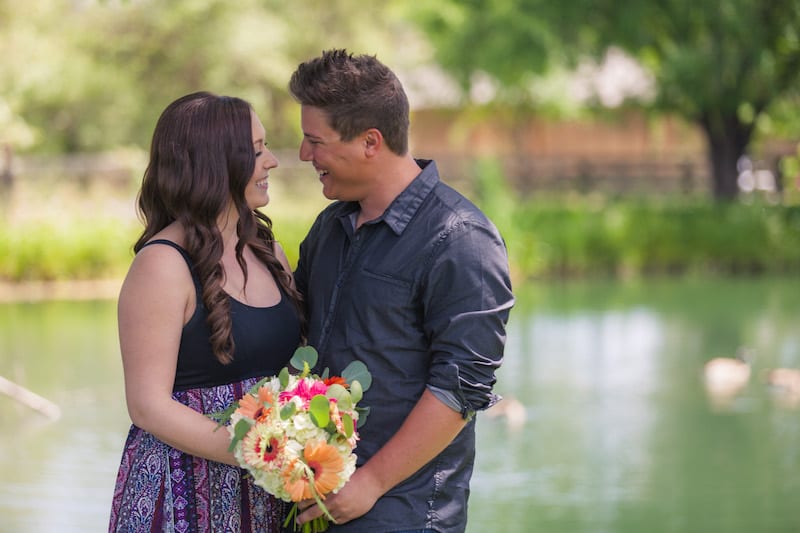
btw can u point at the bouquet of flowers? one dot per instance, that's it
(295, 432)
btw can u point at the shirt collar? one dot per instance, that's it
(405, 206)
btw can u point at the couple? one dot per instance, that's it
(401, 272)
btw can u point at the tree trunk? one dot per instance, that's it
(727, 141)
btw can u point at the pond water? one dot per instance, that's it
(618, 434)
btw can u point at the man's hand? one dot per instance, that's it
(427, 430)
(355, 499)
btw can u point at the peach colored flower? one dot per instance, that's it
(326, 464)
(295, 482)
(256, 409)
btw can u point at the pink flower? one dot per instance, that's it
(305, 390)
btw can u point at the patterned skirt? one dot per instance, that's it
(161, 489)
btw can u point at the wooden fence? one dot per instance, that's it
(611, 175)
(526, 174)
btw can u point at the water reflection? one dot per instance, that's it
(618, 435)
(58, 476)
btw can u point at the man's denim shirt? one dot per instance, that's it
(421, 295)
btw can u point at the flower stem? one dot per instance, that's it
(317, 525)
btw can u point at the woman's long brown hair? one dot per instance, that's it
(201, 157)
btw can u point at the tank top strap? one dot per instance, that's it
(186, 257)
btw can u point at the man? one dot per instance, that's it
(406, 275)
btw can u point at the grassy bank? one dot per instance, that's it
(86, 236)
(583, 238)
(594, 235)
(87, 248)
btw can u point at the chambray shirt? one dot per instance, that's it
(421, 295)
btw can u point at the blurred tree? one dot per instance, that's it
(90, 75)
(718, 63)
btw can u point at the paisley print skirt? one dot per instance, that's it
(161, 489)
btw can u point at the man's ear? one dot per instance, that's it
(373, 141)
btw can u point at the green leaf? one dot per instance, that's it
(320, 410)
(347, 422)
(304, 355)
(224, 416)
(340, 394)
(357, 371)
(239, 431)
(363, 412)
(283, 377)
(356, 392)
(254, 389)
(288, 410)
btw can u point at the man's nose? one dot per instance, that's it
(305, 151)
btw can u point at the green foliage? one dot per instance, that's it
(349, 426)
(320, 410)
(239, 431)
(567, 236)
(579, 236)
(90, 76)
(705, 54)
(304, 358)
(339, 393)
(80, 248)
(357, 374)
(585, 238)
(288, 410)
(719, 63)
(356, 390)
(790, 170)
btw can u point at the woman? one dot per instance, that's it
(208, 308)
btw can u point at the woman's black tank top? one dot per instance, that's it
(265, 339)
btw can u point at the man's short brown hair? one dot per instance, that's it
(357, 92)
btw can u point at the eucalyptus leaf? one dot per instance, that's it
(288, 410)
(357, 371)
(363, 412)
(283, 377)
(338, 393)
(356, 392)
(346, 404)
(347, 422)
(304, 355)
(239, 431)
(320, 410)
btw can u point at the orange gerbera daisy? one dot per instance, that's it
(295, 482)
(256, 409)
(326, 464)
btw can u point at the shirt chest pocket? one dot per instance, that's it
(381, 307)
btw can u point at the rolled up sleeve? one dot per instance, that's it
(467, 300)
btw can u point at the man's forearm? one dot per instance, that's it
(429, 428)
